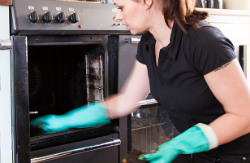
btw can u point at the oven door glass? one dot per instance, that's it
(64, 77)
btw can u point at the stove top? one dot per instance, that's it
(64, 17)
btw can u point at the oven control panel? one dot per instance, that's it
(63, 17)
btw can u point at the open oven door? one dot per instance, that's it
(20, 99)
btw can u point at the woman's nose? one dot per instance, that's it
(118, 16)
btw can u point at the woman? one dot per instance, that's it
(191, 70)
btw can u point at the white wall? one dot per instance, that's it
(5, 91)
(236, 4)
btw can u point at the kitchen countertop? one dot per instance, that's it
(5, 2)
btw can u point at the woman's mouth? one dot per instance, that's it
(125, 25)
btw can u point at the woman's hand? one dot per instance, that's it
(82, 117)
(198, 138)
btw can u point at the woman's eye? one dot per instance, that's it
(120, 8)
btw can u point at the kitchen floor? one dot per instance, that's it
(150, 127)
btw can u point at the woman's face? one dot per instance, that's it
(133, 14)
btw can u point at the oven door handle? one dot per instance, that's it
(110, 143)
(147, 102)
(132, 40)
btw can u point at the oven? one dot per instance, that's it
(53, 75)
(64, 55)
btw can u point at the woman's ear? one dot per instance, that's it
(148, 3)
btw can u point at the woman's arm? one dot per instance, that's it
(135, 89)
(230, 87)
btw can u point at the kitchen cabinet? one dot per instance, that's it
(5, 2)
(5, 89)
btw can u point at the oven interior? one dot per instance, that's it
(61, 78)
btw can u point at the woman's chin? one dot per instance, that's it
(133, 32)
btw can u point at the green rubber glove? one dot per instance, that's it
(198, 138)
(82, 117)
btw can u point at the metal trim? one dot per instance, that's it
(132, 40)
(5, 44)
(147, 102)
(110, 143)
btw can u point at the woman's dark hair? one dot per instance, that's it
(183, 13)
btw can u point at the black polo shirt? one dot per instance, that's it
(178, 82)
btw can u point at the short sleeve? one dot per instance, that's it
(210, 49)
(147, 42)
(139, 55)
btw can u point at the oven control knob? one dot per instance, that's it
(33, 17)
(74, 18)
(61, 17)
(47, 17)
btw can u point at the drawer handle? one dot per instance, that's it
(110, 143)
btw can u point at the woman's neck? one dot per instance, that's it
(161, 33)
